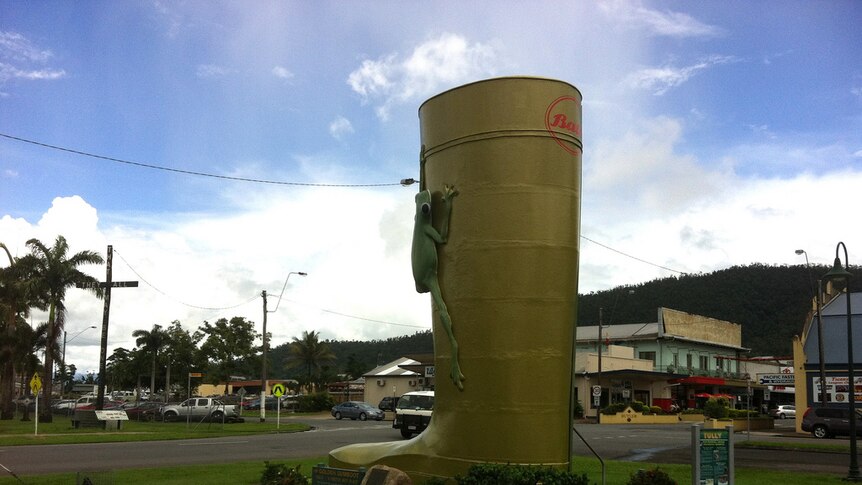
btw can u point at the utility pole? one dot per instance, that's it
(263, 370)
(107, 285)
(599, 374)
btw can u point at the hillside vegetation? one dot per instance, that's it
(770, 302)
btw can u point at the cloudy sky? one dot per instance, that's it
(715, 134)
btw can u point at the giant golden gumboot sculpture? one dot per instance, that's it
(505, 273)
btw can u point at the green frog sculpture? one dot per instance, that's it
(424, 260)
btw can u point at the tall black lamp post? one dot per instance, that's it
(821, 361)
(841, 272)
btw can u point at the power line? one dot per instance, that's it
(189, 172)
(178, 300)
(632, 257)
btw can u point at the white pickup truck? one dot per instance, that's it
(200, 408)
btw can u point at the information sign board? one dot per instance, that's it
(278, 390)
(111, 415)
(713, 456)
(776, 379)
(324, 475)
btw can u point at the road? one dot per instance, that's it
(656, 444)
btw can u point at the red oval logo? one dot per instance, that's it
(556, 119)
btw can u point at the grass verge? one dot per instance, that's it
(60, 431)
(617, 472)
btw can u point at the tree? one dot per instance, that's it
(310, 353)
(52, 271)
(14, 308)
(150, 342)
(228, 347)
(180, 353)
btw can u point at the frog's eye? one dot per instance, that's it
(426, 208)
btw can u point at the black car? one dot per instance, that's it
(388, 403)
(831, 421)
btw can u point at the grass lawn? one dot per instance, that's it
(60, 431)
(618, 472)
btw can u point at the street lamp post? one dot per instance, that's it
(265, 344)
(63, 359)
(841, 272)
(822, 363)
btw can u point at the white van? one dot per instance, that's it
(413, 412)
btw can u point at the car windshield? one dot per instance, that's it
(416, 402)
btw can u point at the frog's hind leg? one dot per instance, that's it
(455, 369)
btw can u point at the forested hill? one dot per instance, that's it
(770, 302)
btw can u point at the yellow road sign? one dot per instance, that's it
(35, 383)
(278, 390)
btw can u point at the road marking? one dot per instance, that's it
(214, 443)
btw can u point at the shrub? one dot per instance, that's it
(578, 410)
(319, 401)
(637, 406)
(656, 410)
(281, 474)
(495, 474)
(615, 408)
(741, 413)
(656, 476)
(716, 408)
(692, 411)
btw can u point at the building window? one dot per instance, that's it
(704, 362)
(647, 356)
(688, 361)
(676, 360)
(719, 363)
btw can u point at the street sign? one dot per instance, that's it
(776, 379)
(114, 284)
(597, 391)
(35, 383)
(278, 390)
(195, 374)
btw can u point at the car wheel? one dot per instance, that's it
(337, 415)
(362, 417)
(820, 431)
(781, 416)
(216, 416)
(406, 434)
(171, 416)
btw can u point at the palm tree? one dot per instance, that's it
(309, 352)
(15, 306)
(52, 272)
(150, 342)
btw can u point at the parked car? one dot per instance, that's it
(63, 406)
(143, 411)
(829, 422)
(254, 404)
(413, 412)
(783, 411)
(356, 410)
(201, 408)
(388, 403)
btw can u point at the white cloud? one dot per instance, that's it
(445, 61)
(282, 72)
(9, 173)
(205, 71)
(662, 79)
(339, 127)
(670, 24)
(16, 47)
(21, 55)
(353, 243)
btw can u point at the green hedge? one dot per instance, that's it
(494, 474)
(319, 401)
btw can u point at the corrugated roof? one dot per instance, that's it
(394, 368)
(618, 332)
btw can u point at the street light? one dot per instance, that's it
(263, 366)
(819, 331)
(841, 272)
(63, 359)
